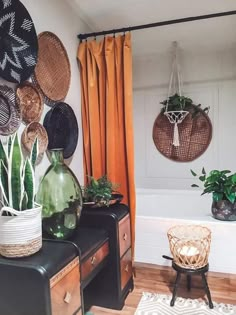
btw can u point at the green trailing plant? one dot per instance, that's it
(99, 190)
(222, 184)
(17, 180)
(178, 103)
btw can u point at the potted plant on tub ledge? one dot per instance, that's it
(20, 217)
(222, 186)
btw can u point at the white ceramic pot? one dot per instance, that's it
(20, 232)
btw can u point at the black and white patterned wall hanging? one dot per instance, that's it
(18, 42)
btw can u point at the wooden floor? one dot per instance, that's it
(159, 279)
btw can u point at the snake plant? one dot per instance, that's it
(17, 182)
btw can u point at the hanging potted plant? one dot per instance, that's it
(222, 186)
(20, 216)
(177, 106)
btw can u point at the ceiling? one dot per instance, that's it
(205, 35)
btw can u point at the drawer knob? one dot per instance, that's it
(93, 260)
(67, 297)
(127, 268)
(125, 236)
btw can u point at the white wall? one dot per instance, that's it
(60, 18)
(210, 79)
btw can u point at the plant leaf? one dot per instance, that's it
(34, 152)
(4, 183)
(3, 155)
(231, 197)
(217, 196)
(194, 185)
(15, 179)
(203, 171)
(29, 183)
(9, 142)
(24, 201)
(193, 173)
(202, 178)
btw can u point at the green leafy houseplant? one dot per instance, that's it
(222, 186)
(17, 181)
(178, 103)
(100, 191)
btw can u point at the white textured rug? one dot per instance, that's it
(159, 304)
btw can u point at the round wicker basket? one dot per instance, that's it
(190, 245)
(30, 102)
(29, 135)
(52, 72)
(194, 136)
(10, 115)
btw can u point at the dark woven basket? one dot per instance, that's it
(10, 116)
(194, 135)
(62, 129)
(19, 44)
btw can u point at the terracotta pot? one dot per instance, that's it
(224, 210)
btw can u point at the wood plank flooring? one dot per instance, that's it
(159, 279)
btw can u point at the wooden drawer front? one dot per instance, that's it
(124, 234)
(65, 290)
(125, 268)
(91, 263)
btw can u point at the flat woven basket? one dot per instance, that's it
(10, 115)
(190, 245)
(52, 72)
(29, 135)
(194, 136)
(30, 102)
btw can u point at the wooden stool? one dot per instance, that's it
(189, 273)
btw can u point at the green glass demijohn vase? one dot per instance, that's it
(60, 195)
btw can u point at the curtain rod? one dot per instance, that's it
(163, 23)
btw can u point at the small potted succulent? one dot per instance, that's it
(100, 192)
(20, 216)
(222, 186)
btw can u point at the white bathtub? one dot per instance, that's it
(158, 210)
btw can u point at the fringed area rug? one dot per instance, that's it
(159, 304)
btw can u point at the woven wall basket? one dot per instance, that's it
(52, 72)
(10, 115)
(30, 102)
(194, 135)
(29, 134)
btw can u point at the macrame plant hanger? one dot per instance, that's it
(175, 117)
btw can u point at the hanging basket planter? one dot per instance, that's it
(182, 131)
(176, 117)
(195, 133)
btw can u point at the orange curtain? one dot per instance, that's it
(107, 117)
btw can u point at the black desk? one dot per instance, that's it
(27, 284)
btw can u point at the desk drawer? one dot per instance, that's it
(65, 290)
(125, 269)
(93, 261)
(124, 234)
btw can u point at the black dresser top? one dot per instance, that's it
(55, 254)
(118, 210)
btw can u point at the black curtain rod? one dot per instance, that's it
(169, 22)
